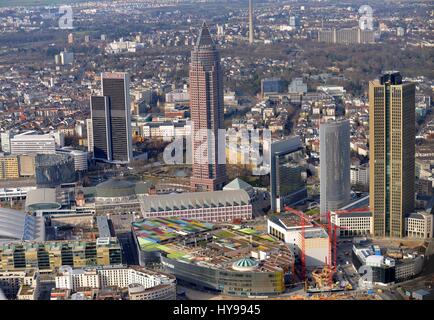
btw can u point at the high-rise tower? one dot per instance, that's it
(111, 120)
(335, 188)
(391, 153)
(251, 31)
(206, 104)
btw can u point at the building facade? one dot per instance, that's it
(111, 120)
(54, 254)
(335, 185)
(346, 36)
(419, 225)
(30, 143)
(288, 228)
(51, 170)
(287, 173)
(392, 153)
(142, 284)
(9, 168)
(21, 285)
(207, 108)
(352, 223)
(212, 206)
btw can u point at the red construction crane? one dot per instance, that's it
(303, 220)
(332, 233)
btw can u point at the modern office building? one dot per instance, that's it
(353, 222)
(207, 109)
(111, 120)
(359, 175)
(335, 188)
(272, 86)
(89, 131)
(80, 158)
(392, 153)
(297, 86)
(287, 173)
(54, 169)
(5, 138)
(9, 168)
(346, 36)
(64, 58)
(288, 228)
(294, 22)
(51, 255)
(32, 143)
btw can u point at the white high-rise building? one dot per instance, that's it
(335, 189)
(89, 130)
(5, 138)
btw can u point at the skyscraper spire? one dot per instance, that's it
(204, 39)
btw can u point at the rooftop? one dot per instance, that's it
(158, 230)
(17, 225)
(184, 201)
(218, 246)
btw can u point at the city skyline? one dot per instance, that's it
(224, 151)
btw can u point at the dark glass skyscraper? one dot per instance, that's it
(287, 173)
(111, 119)
(206, 104)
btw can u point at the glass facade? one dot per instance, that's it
(54, 254)
(254, 283)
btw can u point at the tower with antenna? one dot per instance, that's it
(251, 32)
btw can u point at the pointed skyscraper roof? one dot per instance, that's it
(204, 39)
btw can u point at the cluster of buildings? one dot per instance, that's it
(215, 257)
(42, 157)
(388, 266)
(188, 234)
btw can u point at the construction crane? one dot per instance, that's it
(303, 220)
(331, 260)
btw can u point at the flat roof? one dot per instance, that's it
(157, 230)
(217, 246)
(103, 227)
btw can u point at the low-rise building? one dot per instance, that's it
(213, 206)
(9, 168)
(21, 285)
(142, 284)
(350, 223)
(288, 228)
(419, 225)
